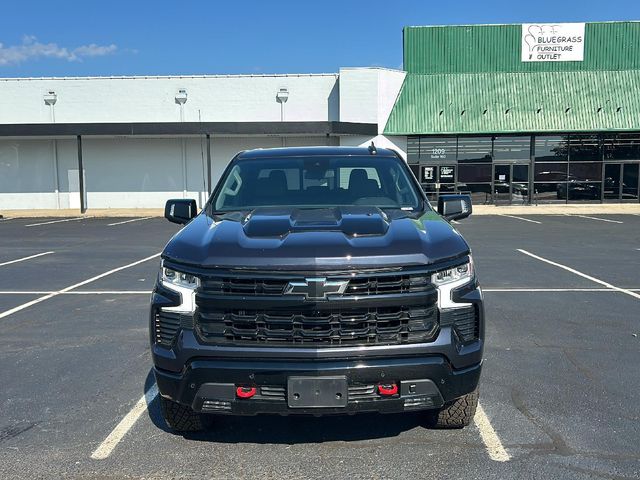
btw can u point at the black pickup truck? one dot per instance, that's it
(317, 280)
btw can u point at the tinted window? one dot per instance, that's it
(511, 148)
(437, 149)
(474, 149)
(474, 173)
(622, 146)
(584, 148)
(551, 149)
(318, 181)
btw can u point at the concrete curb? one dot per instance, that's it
(560, 209)
(107, 212)
(557, 209)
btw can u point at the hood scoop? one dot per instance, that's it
(352, 221)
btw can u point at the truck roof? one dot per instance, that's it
(313, 151)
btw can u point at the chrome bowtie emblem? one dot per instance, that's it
(317, 287)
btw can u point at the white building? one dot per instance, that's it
(142, 140)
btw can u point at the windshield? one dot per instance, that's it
(318, 181)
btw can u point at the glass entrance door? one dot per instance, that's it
(621, 181)
(438, 180)
(630, 181)
(511, 183)
(502, 184)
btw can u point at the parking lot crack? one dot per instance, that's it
(12, 431)
(559, 445)
(584, 371)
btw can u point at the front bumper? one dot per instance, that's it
(205, 376)
(424, 383)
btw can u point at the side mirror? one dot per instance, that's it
(180, 211)
(454, 207)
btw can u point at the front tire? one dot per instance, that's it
(456, 414)
(180, 418)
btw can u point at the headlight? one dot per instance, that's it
(179, 279)
(183, 283)
(447, 280)
(454, 274)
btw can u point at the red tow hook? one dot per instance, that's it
(387, 389)
(245, 392)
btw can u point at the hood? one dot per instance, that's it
(312, 239)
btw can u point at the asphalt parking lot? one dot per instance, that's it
(559, 392)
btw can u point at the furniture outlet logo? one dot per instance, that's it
(552, 42)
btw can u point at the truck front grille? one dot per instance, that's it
(353, 326)
(247, 285)
(373, 307)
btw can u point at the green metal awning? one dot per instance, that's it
(515, 102)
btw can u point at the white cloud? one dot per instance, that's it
(31, 48)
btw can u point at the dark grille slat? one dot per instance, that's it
(370, 326)
(464, 321)
(359, 285)
(167, 325)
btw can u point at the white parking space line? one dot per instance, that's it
(583, 275)
(551, 290)
(108, 292)
(490, 438)
(25, 258)
(73, 287)
(593, 218)
(129, 420)
(148, 292)
(520, 218)
(128, 221)
(77, 292)
(28, 292)
(56, 221)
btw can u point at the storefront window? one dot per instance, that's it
(474, 149)
(413, 148)
(551, 148)
(622, 146)
(475, 180)
(550, 172)
(474, 173)
(588, 172)
(512, 148)
(568, 167)
(438, 149)
(550, 181)
(584, 148)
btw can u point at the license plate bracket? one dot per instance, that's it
(317, 392)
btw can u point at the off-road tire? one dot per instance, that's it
(180, 418)
(456, 414)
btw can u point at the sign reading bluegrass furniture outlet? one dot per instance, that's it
(552, 42)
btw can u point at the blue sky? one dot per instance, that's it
(132, 37)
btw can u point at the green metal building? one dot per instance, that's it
(523, 113)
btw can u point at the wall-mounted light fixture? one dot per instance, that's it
(181, 97)
(281, 97)
(50, 98)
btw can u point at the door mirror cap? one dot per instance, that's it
(454, 207)
(180, 210)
